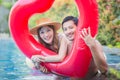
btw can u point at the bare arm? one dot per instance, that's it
(61, 54)
(99, 57)
(54, 58)
(96, 50)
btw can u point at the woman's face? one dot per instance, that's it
(46, 33)
(69, 29)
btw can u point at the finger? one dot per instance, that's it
(82, 32)
(89, 31)
(39, 60)
(41, 69)
(81, 36)
(37, 65)
(46, 71)
(33, 59)
(85, 32)
(42, 58)
(36, 60)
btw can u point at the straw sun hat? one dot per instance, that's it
(43, 22)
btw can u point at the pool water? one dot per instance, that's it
(13, 67)
(113, 59)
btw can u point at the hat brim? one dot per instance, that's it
(56, 26)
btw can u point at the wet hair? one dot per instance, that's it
(54, 46)
(74, 19)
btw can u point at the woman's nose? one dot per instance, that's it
(46, 34)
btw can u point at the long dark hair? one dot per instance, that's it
(54, 46)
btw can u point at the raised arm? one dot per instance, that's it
(96, 50)
(99, 56)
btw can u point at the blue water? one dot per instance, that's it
(13, 67)
(12, 62)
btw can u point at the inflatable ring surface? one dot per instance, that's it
(77, 63)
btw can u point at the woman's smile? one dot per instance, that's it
(46, 34)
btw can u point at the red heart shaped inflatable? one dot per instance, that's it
(76, 64)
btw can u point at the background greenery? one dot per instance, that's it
(109, 26)
(109, 17)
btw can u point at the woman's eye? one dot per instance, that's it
(41, 32)
(48, 30)
(71, 27)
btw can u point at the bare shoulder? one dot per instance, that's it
(64, 40)
(61, 37)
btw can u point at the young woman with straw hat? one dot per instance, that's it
(46, 31)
